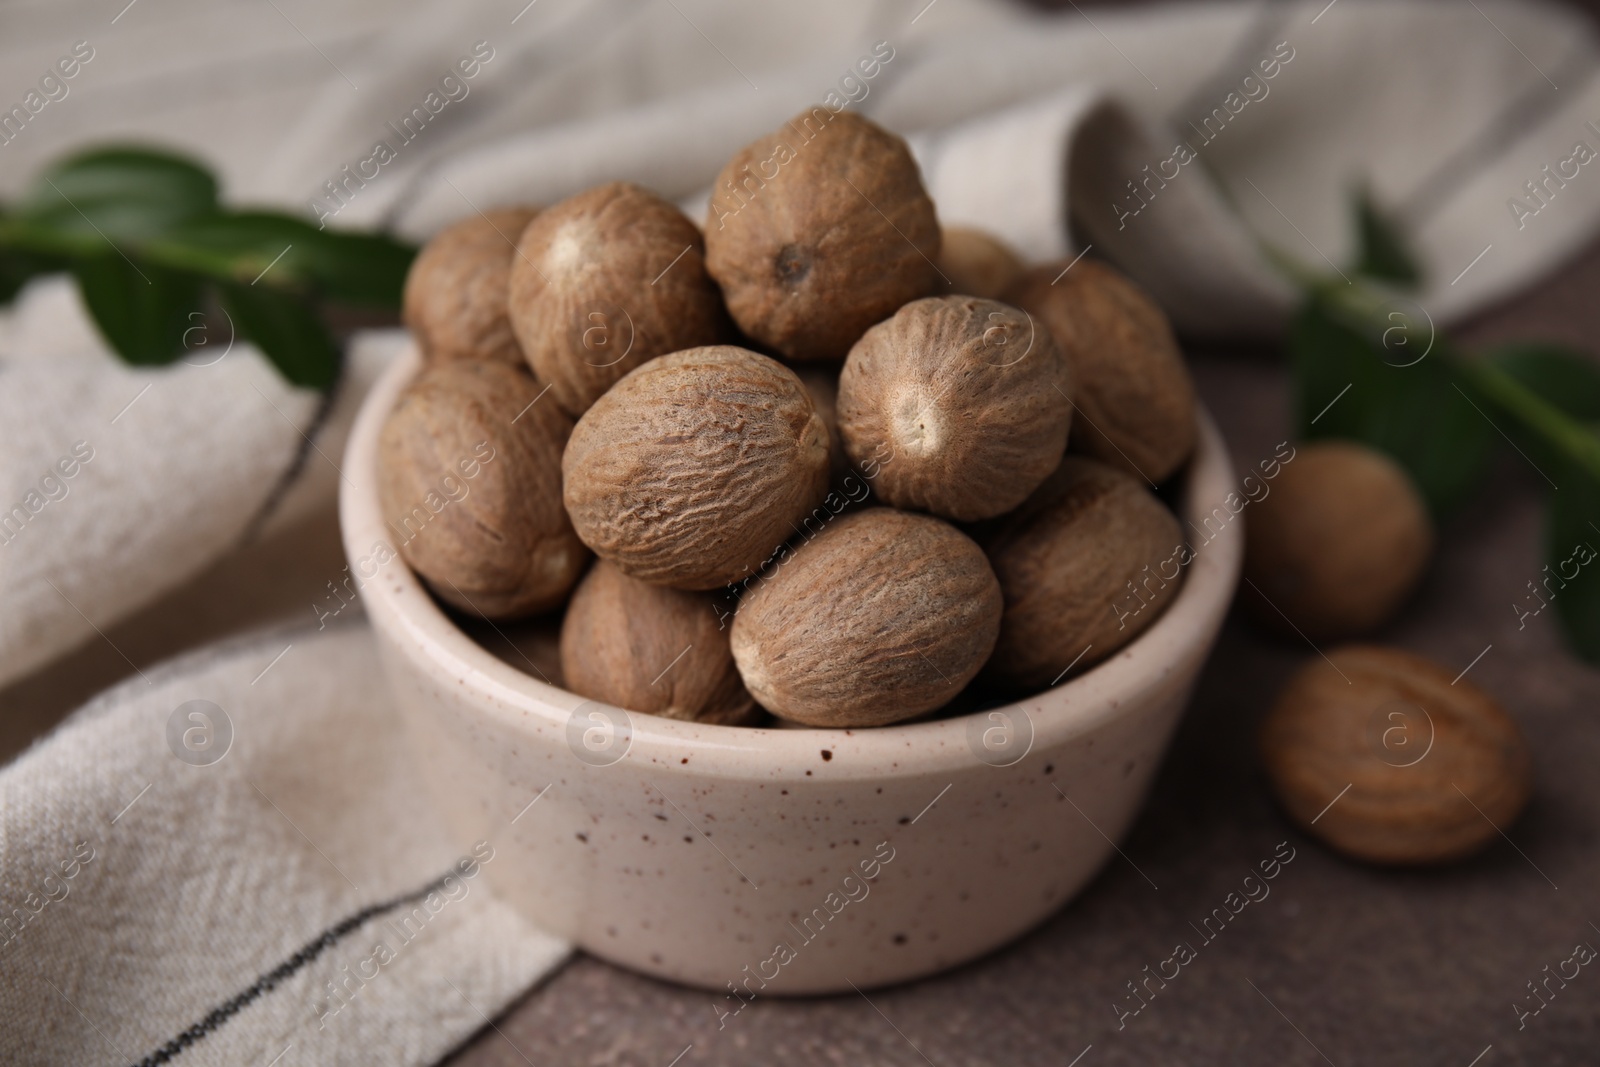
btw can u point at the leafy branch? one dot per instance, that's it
(152, 250)
(1370, 366)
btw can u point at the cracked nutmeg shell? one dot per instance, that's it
(1136, 401)
(819, 230)
(604, 281)
(455, 294)
(1086, 564)
(962, 402)
(1380, 754)
(693, 470)
(882, 616)
(469, 479)
(651, 649)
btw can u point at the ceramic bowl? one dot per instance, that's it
(784, 861)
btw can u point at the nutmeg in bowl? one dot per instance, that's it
(692, 851)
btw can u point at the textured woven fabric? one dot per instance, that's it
(234, 855)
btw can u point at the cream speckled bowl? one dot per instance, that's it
(783, 861)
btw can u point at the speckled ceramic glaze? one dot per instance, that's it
(784, 861)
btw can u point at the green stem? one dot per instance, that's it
(1558, 429)
(158, 252)
(1369, 309)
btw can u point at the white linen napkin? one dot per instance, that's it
(191, 886)
(219, 859)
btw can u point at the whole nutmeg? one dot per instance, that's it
(692, 470)
(819, 230)
(604, 281)
(882, 616)
(1339, 542)
(1086, 564)
(469, 480)
(649, 649)
(1382, 756)
(961, 402)
(1134, 395)
(455, 294)
(977, 263)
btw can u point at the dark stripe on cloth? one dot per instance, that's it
(269, 981)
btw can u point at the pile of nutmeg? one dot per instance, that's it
(828, 459)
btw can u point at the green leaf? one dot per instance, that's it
(18, 265)
(120, 194)
(1571, 579)
(16, 268)
(1569, 381)
(254, 248)
(355, 268)
(1420, 414)
(361, 268)
(144, 234)
(142, 311)
(1382, 251)
(287, 329)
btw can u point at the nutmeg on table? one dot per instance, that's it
(1338, 545)
(1385, 757)
(763, 539)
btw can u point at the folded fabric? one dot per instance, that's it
(231, 858)
(121, 482)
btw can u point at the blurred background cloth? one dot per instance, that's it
(205, 505)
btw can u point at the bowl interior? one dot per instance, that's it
(396, 598)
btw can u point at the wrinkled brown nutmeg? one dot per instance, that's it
(977, 263)
(1338, 544)
(962, 403)
(455, 293)
(819, 230)
(883, 616)
(1385, 757)
(695, 468)
(1136, 401)
(650, 649)
(1088, 562)
(469, 480)
(604, 281)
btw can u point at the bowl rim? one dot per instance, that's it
(1136, 675)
